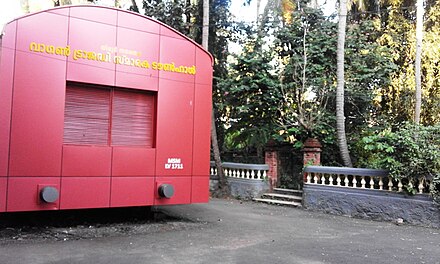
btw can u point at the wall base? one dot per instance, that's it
(242, 188)
(372, 204)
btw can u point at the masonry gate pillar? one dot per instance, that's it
(311, 153)
(271, 159)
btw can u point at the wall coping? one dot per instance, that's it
(346, 171)
(233, 165)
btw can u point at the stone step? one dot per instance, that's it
(288, 191)
(278, 202)
(284, 197)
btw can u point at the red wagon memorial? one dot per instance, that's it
(101, 107)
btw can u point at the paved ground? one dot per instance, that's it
(230, 231)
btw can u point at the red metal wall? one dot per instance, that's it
(32, 103)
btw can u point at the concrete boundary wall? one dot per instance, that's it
(372, 204)
(243, 188)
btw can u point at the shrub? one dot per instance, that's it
(409, 152)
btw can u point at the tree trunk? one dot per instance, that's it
(418, 62)
(223, 187)
(340, 117)
(134, 6)
(205, 28)
(258, 10)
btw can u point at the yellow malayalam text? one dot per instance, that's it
(108, 57)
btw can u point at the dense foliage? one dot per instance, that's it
(298, 72)
(181, 15)
(251, 91)
(396, 26)
(410, 152)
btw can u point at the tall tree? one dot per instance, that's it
(418, 62)
(252, 94)
(205, 30)
(398, 26)
(340, 117)
(222, 180)
(306, 43)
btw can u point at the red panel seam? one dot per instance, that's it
(65, 92)
(10, 118)
(116, 44)
(112, 94)
(194, 128)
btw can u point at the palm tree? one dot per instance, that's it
(419, 38)
(205, 29)
(340, 117)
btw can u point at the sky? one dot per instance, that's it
(10, 10)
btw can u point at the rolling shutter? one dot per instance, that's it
(86, 116)
(133, 118)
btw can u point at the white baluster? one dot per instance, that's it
(258, 175)
(338, 180)
(363, 182)
(330, 179)
(380, 183)
(371, 182)
(264, 174)
(315, 179)
(323, 179)
(346, 181)
(354, 181)
(309, 178)
(248, 174)
(234, 173)
(400, 185)
(252, 174)
(421, 185)
(243, 174)
(390, 184)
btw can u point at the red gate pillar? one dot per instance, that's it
(271, 159)
(311, 153)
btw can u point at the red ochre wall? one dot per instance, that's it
(32, 103)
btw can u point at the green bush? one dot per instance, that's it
(409, 152)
